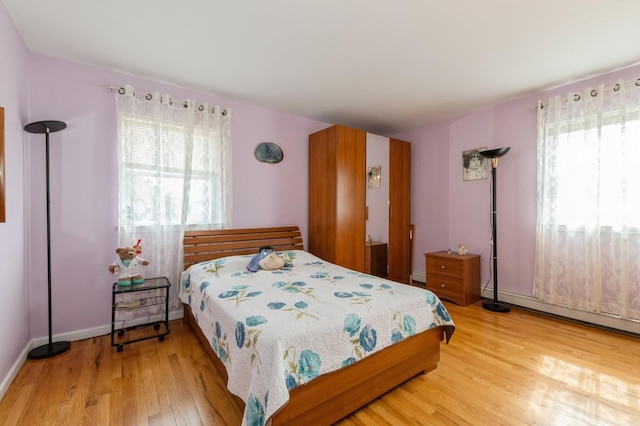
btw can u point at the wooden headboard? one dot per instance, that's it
(200, 246)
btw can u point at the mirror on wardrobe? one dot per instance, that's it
(377, 199)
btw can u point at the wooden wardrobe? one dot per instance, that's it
(338, 204)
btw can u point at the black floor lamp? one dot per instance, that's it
(50, 349)
(494, 305)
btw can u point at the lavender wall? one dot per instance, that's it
(84, 183)
(14, 313)
(448, 211)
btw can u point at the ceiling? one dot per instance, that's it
(380, 65)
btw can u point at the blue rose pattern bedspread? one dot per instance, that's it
(276, 330)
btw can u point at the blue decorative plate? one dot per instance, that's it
(269, 152)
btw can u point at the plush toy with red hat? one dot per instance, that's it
(128, 267)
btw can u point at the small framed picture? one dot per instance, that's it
(474, 165)
(374, 176)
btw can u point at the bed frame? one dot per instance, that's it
(332, 396)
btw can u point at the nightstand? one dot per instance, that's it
(375, 259)
(453, 277)
(152, 292)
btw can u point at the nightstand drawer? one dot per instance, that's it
(443, 266)
(443, 285)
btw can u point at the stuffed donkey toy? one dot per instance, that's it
(268, 259)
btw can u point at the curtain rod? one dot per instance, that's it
(594, 92)
(184, 102)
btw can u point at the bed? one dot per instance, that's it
(287, 356)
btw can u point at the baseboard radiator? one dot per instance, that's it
(528, 302)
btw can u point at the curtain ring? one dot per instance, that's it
(638, 82)
(616, 87)
(200, 107)
(224, 112)
(148, 97)
(594, 93)
(121, 91)
(576, 97)
(213, 110)
(170, 101)
(186, 104)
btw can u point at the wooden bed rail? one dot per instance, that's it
(200, 246)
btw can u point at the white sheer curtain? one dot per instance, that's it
(174, 173)
(588, 201)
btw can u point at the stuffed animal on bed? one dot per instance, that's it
(128, 267)
(267, 259)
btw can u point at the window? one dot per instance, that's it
(594, 186)
(171, 177)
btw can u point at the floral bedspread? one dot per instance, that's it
(276, 330)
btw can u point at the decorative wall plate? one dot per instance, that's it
(269, 152)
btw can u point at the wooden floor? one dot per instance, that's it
(499, 369)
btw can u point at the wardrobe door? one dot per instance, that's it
(351, 203)
(337, 180)
(400, 211)
(322, 193)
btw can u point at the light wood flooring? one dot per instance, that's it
(517, 368)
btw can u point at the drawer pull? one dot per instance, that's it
(442, 285)
(442, 266)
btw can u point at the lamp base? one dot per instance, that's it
(495, 306)
(49, 350)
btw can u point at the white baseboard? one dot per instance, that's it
(420, 277)
(13, 371)
(70, 337)
(101, 330)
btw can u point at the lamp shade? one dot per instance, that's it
(494, 153)
(47, 126)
